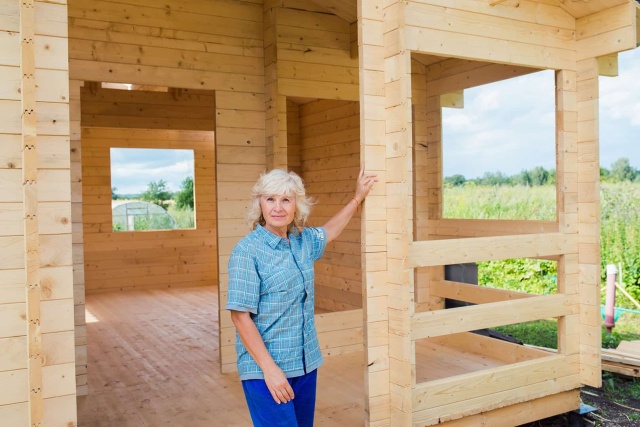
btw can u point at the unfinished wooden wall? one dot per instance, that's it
(314, 54)
(307, 56)
(194, 45)
(176, 108)
(539, 33)
(599, 34)
(78, 239)
(294, 162)
(371, 54)
(150, 259)
(330, 151)
(37, 369)
(427, 179)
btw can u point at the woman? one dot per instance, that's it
(271, 298)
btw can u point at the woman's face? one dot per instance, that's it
(278, 212)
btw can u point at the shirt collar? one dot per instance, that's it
(270, 238)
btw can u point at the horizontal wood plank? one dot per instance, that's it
(486, 382)
(472, 293)
(456, 251)
(463, 319)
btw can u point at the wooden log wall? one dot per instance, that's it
(371, 54)
(314, 54)
(586, 273)
(151, 259)
(427, 164)
(330, 141)
(37, 368)
(400, 228)
(194, 45)
(600, 34)
(574, 234)
(538, 34)
(78, 239)
(307, 55)
(294, 162)
(176, 108)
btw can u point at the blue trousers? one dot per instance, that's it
(299, 412)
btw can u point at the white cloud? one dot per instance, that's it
(508, 126)
(620, 112)
(487, 100)
(133, 169)
(504, 127)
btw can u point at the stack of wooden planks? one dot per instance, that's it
(624, 360)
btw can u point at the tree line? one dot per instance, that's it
(620, 171)
(158, 193)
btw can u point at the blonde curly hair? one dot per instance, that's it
(278, 182)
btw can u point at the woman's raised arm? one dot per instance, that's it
(339, 221)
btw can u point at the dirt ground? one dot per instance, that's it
(617, 404)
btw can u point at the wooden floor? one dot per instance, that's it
(153, 361)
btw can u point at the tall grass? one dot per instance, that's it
(184, 216)
(500, 202)
(620, 231)
(620, 236)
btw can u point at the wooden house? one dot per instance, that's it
(319, 87)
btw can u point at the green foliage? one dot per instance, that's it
(543, 333)
(152, 222)
(500, 202)
(523, 275)
(539, 176)
(157, 193)
(620, 236)
(114, 196)
(620, 232)
(495, 178)
(622, 171)
(621, 389)
(184, 217)
(454, 180)
(184, 197)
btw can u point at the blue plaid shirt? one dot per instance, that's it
(273, 279)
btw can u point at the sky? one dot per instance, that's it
(508, 126)
(132, 169)
(504, 127)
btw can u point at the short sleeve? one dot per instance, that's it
(244, 282)
(318, 237)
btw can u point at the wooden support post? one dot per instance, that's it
(566, 198)
(374, 214)
(77, 238)
(588, 200)
(399, 195)
(30, 206)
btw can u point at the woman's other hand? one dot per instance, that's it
(278, 384)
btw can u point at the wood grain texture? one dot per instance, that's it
(169, 258)
(153, 359)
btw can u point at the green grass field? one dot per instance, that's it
(620, 245)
